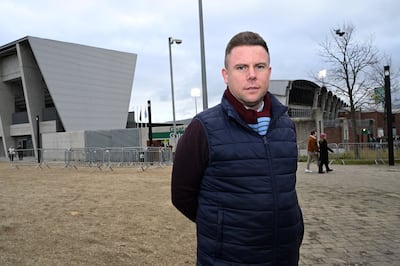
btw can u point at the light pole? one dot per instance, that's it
(388, 103)
(321, 117)
(170, 42)
(203, 57)
(195, 92)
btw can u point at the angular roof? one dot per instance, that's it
(90, 87)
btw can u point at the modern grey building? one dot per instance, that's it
(49, 86)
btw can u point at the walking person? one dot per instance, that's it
(324, 154)
(234, 171)
(312, 150)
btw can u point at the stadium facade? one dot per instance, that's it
(49, 87)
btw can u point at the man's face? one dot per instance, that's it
(247, 74)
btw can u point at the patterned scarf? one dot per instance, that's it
(258, 121)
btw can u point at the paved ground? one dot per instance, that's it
(352, 215)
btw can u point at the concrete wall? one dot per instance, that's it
(92, 139)
(9, 67)
(63, 140)
(130, 137)
(32, 86)
(8, 70)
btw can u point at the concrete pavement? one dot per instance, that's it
(351, 215)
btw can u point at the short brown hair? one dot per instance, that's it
(245, 38)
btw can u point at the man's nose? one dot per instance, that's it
(251, 73)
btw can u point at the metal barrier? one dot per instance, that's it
(53, 157)
(95, 157)
(368, 152)
(143, 157)
(160, 156)
(363, 152)
(24, 157)
(84, 157)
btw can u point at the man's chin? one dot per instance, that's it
(253, 104)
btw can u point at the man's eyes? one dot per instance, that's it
(245, 67)
(241, 67)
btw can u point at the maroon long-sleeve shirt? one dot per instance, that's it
(192, 153)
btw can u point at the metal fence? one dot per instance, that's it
(161, 156)
(369, 152)
(94, 157)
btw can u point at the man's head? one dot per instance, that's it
(247, 68)
(245, 38)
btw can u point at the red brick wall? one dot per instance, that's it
(334, 135)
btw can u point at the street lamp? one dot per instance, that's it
(170, 42)
(388, 103)
(195, 92)
(322, 76)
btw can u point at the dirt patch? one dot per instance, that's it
(64, 216)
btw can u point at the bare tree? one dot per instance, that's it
(350, 63)
(379, 97)
(378, 77)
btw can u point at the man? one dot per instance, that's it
(312, 150)
(234, 170)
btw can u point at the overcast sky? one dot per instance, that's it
(292, 29)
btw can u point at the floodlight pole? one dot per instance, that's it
(203, 58)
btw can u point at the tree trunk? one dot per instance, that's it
(355, 132)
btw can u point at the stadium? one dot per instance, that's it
(56, 95)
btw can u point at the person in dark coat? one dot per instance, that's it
(324, 154)
(20, 152)
(234, 170)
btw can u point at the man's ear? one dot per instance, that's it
(224, 73)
